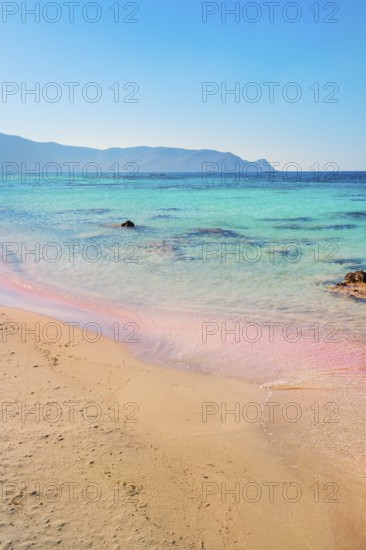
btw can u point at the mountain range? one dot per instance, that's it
(15, 149)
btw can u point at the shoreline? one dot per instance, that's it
(271, 361)
(160, 481)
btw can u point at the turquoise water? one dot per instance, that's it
(175, 271)
(182, 298)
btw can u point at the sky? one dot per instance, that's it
(158, 73)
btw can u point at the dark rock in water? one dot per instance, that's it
(356, 277)
(128, 223)
(354, 284)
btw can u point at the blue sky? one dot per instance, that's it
(170, 53)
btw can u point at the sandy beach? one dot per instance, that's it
(182, 276)
(101, 449)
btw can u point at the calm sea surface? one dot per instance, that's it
(208, 255)
(224, 276)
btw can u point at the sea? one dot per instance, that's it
(221, 274)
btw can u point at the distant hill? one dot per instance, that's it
(148, 159)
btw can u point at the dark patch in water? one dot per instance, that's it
(295, 227)
(169, 248)
(352, 262)
(215, 231)
(161, 217)
(355, 215)
(169, 209)
(86, 211)
(344, 261)
(292, 226)
(287, 220)
(334, 227)
(99, 210)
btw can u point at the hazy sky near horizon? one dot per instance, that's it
(181, 57)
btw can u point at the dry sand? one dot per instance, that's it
(107, 481)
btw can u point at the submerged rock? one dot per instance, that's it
(128, 223)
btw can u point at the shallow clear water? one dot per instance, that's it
(226, 277)
(215, 251)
